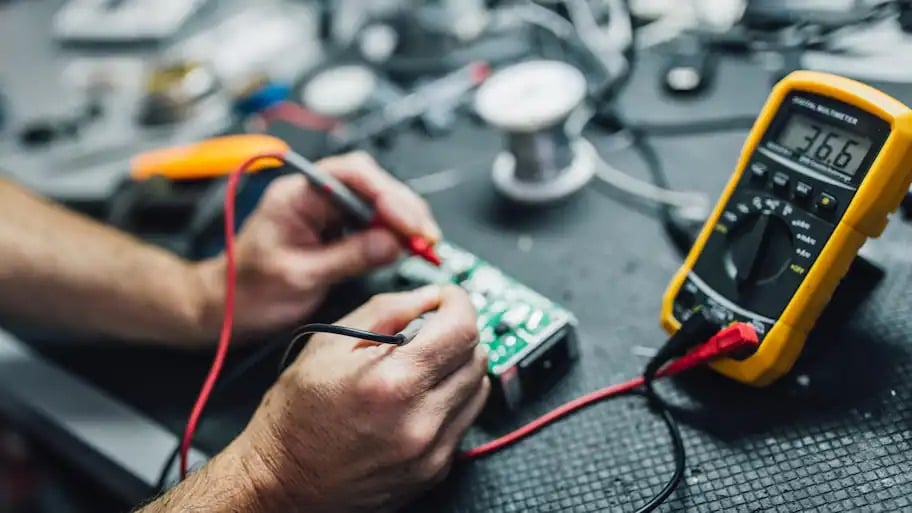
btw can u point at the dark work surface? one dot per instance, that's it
(834, 435)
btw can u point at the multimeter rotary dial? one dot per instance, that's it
(760, 249)
(759, 242)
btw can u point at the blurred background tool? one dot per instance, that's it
(173, 90)
(122, 21)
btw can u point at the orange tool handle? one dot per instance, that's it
(211, 158)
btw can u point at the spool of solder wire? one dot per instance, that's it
(533, 103)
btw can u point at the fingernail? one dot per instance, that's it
(428, 292)
(432, 231)
(411, 224)
(381, 247)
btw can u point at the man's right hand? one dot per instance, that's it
(353, 426)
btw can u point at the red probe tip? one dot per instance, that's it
(421, 247)
(480, 72)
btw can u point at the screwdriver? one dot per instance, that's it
(217, 156)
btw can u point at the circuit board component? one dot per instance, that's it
(530, 339)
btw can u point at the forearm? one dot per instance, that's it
(57, 267)
(227, 484)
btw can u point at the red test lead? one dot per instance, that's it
(421, 247)
(735, 338)
(343, 196)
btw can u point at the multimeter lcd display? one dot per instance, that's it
(839, 149)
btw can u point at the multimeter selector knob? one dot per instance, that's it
(760, 249)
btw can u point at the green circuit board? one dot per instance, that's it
(513, 319)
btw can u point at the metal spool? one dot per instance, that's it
(531, 103)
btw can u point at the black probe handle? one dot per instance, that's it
(341, 194)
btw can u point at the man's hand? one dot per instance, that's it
(85, 276)
(285, 265)
(352, 426)
(357, 427)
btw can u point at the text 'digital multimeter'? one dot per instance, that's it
(826, 162)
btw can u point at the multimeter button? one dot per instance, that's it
(780, 182)
(803, 191)
(826, 203)
(758, 171)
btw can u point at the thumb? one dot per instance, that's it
(354, 255)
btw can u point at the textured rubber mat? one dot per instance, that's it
(834, 435)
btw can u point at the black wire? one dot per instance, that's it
(697, 329)
(678, 450)
(681, 234)
(695, 127)
(245, 365)
(228, 380)
(303, 333)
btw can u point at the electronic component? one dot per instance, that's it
(691, 67)
(174, 90)
(530, 339)
(827, 161)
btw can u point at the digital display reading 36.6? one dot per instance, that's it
(839, 149)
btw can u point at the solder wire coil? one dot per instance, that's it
(531, 104)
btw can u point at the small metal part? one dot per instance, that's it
(412, 329)
(690, 68)
(502, 328)
(486, 280)
(516, 315)
(535, 320)
(498, 307)
(487, 336)
(173, 90)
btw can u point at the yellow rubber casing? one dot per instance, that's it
(880, 193)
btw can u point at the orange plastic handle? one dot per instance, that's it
(210, 158)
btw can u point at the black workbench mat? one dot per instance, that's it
(832, 436)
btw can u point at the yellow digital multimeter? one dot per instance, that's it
(826, 162)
